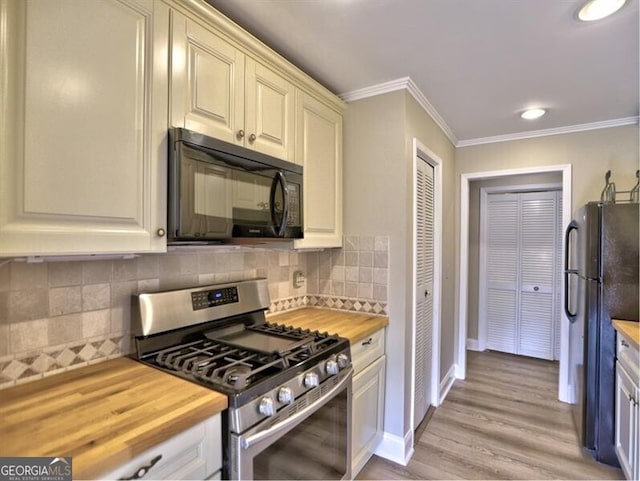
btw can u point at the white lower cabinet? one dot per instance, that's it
(193, 454)
(367, 399)
(627, 416)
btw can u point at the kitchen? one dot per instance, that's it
(63, 313)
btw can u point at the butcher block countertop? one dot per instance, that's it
(352, 325)
(101, 415)
(630, 330)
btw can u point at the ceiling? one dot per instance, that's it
(477, 64)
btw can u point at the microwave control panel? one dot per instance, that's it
(214, 297)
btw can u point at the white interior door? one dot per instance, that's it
(536, 324)
(522, 237)
(502, 271)
(423, 293)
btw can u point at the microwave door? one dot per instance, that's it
(205, 200)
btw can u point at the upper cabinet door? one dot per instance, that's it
(319, 147)
(207, 82)
(270, 112)
(83, 124)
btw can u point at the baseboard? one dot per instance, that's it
(472, 345)
(447, 383)
(568, 395)
(395, 448)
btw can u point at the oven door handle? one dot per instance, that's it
(247, 442)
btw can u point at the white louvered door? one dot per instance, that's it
(522, 273)
(502, 271)
(537, 259)
(423, 289)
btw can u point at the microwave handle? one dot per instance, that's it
(279, 179)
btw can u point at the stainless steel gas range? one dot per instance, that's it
(289, 413)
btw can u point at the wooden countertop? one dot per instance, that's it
(630, 330)
(352, 325)
(101, 415)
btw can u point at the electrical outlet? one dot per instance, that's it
(298, 279)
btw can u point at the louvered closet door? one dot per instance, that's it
(502, 271)
(538, 251)
(424, 288)
(523, 235)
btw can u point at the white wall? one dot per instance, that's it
(374, 204)
(591, 153)
(378, 165)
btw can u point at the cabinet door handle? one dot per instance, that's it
(367, 342)
(240, 134)
(624, 343)
(143, 470)
(252, 138)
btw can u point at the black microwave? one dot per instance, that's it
(219, 192)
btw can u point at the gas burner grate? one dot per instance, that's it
(221, 363)
(218, 363)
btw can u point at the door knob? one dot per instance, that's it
(252, 138)
(536, 288)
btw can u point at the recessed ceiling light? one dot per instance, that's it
(533, 114)
(597, 9)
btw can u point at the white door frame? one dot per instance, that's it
(463, 273)
(482, 296)
(423, 154)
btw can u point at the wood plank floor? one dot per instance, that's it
(503, 422)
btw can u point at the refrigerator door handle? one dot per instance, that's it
(572, 316)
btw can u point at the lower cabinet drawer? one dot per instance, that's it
(628, 355)
(367, 350)
(193, 454)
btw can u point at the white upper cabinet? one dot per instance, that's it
(219, 91)
(83, 123)
(269, 112)
(319, 149)
(207, 82)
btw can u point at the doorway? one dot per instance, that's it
(465, 296)
(519, 262)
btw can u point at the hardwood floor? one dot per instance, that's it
(502, 422)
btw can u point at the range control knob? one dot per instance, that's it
(285, 395)
(343, 360)
(266, 407)
(311, 379)
(332, 367)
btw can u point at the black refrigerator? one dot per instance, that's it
(601, 284)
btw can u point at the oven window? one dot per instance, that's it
(317, 448)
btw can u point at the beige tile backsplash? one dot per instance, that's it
(59, 315)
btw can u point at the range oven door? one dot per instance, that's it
(313, 443)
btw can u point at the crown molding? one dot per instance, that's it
(546, 132)
(411, 87)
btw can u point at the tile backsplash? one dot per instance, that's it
(55, 316)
